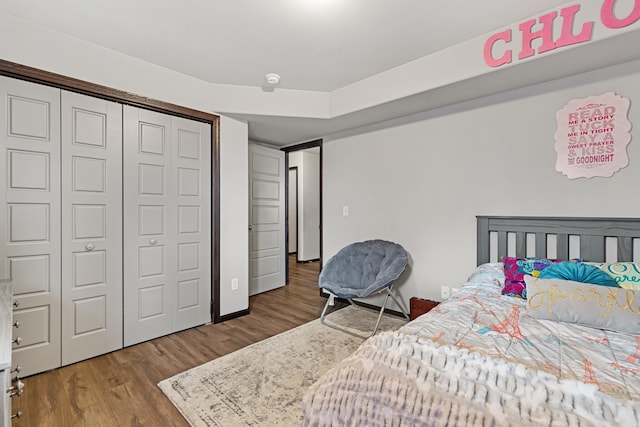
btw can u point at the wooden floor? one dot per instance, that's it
(120, 388)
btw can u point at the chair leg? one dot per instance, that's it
(375, 329)
(323, 321)
(324, 310)
(399, 304)
(384, 304)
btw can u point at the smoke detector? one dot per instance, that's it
(272, 78)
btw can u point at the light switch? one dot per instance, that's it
(345, 210)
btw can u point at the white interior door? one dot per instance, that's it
(167, 208)
(266, 219)
(191, 168)
(91, 227)
(30, 218)
(149, 234)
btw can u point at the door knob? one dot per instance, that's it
(153, 242)
(90, 247)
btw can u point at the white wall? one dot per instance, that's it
(308, 164)
(234, 215)
(421, 180)
(311, 206)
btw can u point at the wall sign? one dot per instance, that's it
(592, 136)
(499, 47)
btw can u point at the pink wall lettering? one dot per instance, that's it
(609, 19)
(498, 50)
(592, 136)
(505, 37)
(545, 34)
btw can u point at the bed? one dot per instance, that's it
(489, 359)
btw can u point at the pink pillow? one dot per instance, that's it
(516, 268)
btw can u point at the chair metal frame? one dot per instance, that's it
(388, 294)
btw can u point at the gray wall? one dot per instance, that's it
(421, 180)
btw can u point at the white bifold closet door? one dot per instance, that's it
(91, 227)
(30, 219)
(167, 239)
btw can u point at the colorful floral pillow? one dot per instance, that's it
(516, 268)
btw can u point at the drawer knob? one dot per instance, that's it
(17, 414)
(17, 341)
(16, 370)
(16, 324)
(17, 389)
(16, 303)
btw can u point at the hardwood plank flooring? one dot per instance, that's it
(120, 388)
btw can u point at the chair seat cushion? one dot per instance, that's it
(363, 268)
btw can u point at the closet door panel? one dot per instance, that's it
(149, 242)
(191, 159)
(91, 227)
(30, 218)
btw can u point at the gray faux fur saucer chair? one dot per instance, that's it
(362, 269)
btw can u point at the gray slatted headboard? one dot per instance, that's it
(592, 233)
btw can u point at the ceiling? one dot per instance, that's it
(314, 45)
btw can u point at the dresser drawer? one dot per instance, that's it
(31, 327)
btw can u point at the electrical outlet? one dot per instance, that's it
(445, 292)
(454, 291)
(234, 284)
(345, 210)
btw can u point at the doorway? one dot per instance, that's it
(304, 202)
(292, 211)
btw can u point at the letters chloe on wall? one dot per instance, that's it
(592, 136)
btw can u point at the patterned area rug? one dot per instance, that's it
(263, 384)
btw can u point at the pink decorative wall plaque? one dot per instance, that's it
(592, 136)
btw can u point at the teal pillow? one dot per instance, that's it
(578, 272)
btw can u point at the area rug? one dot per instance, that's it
(263, 384)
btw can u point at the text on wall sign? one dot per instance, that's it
(498, 50)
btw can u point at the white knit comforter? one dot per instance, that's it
(479, 360)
